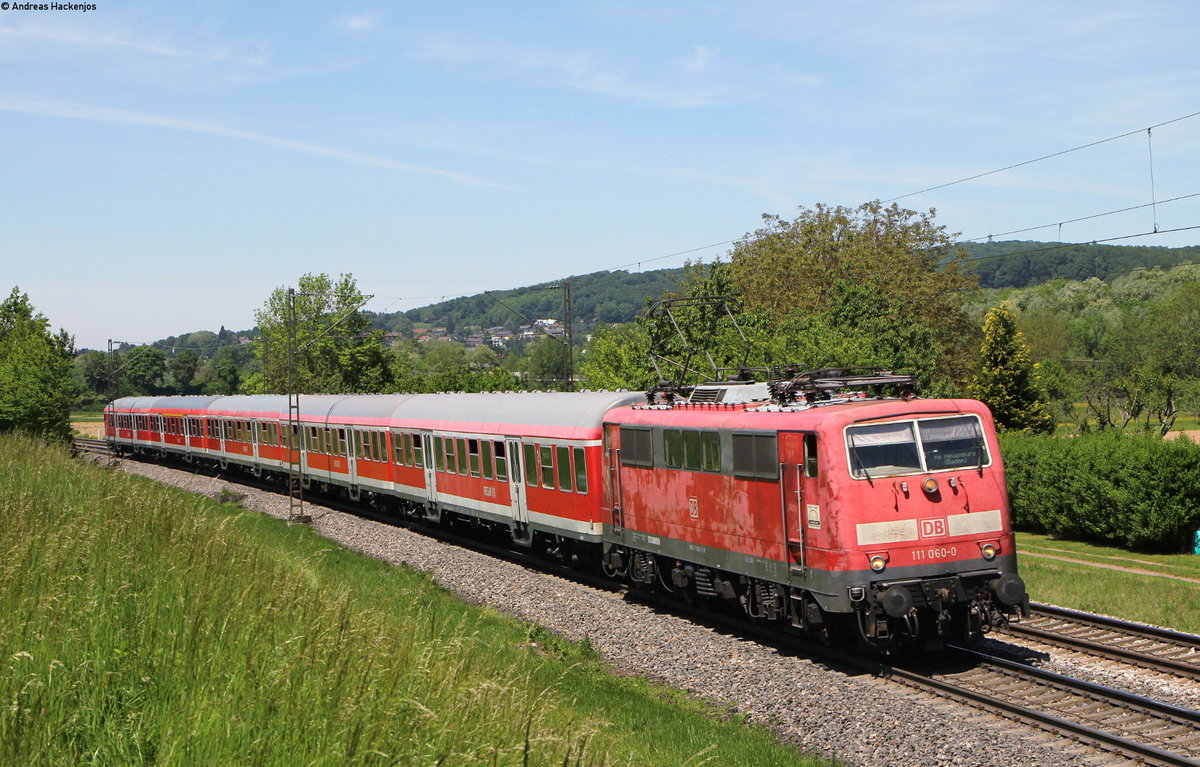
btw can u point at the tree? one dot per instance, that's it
(544, 361)
(1006, 380)
(886, 274)
(93, 371)
(618, 358)
(183, 369)
(335, 349)
(143, 369)
(36, 387)
(224, 373)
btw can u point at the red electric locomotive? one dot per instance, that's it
(839, 513)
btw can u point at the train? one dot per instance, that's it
(819, 504)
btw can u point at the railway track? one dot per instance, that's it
(1148, 647)
(1134, 727)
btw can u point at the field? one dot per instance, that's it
(1161, 589)
(144, 625)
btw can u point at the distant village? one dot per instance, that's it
(498, 337)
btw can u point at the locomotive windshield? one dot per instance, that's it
(911, 447)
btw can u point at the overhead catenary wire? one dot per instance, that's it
(1083, 218)
(1040, 159)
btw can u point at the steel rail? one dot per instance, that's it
(1085, 733)
(1132, 631)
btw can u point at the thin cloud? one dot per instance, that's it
(37, 34)
(358, 23)
(18, 102)
(579, 71)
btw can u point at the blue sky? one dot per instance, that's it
(166, 165)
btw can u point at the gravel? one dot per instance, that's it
(855, 719)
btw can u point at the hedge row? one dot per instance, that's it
(1139, 492)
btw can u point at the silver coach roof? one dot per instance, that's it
(485, 412)
(191, 402)
(473, 412)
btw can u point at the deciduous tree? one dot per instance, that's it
(335, 349)
(36, 386)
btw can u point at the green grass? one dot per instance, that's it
(1080, 584)
(143, 625)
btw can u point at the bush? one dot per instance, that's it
(1139, 492)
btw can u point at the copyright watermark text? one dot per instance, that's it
(83, 7)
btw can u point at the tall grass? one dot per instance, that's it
(141, 625)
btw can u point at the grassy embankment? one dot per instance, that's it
(144, 625)
(1160, 591)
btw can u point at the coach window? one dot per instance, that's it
(810, 455)
(341, 441)
(473, 454)
(438, 454)
(463, 463)
(418, 451)
(531, 472)
(581, 483)
(501, 462)
(564, 468)
(672, 448)
(546, 461)
(486, 447)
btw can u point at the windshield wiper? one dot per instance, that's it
(859, 461)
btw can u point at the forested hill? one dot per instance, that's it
(619, 296)
(1021, 263)
(609, 297)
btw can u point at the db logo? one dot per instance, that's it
(934, 527)
(694, 508)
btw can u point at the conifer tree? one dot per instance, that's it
(1006, 379)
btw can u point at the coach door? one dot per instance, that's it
(800, 507)
(430, 468)
(516, 482)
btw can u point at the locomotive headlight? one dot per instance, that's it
(878, 562)
(930, 486)
(989, 551)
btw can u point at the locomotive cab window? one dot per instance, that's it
(911, 447)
